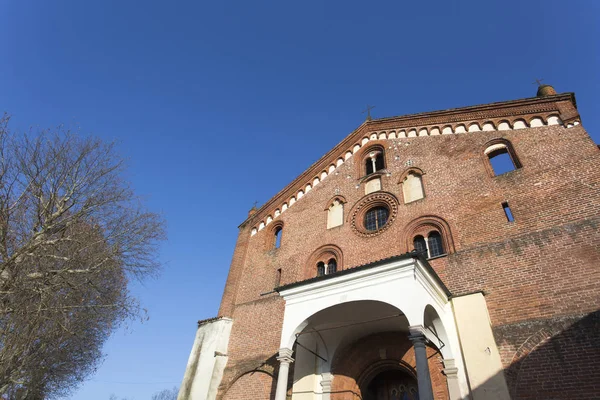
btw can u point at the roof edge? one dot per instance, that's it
(347, 271)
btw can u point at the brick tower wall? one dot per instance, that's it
(540, 274)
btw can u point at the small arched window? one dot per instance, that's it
(328, 259)
(320, 268)
(432, 247)
(374, 161)
(501, 157)
(275, 236)
(331, 266)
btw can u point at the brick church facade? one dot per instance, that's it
(444, 255)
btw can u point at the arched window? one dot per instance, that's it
(374, 160)
(431, 247)
(278, 231)
(376, 218)
(434, 242)
(275, 236)
(501, 157)
(320, 268)
(419, 243)
(429, 234)
(328, 259)
(331, 266)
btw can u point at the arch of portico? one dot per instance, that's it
(400, 296)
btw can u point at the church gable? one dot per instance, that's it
(369, 140)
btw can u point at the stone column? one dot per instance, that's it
(417, 336)
(285, 359)
(451, 373)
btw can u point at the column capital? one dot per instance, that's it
(326, 381)
(450, 369)
(285, 355)
(416, 333)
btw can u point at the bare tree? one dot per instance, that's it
(166, 394)
(72, 235)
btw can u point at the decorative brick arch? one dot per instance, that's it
(423, 226)
(410, 170)
(354, 366)
(341, 199)
(323, 254)
(357, 213)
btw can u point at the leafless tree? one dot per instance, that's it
(166, 394)
(72, 235)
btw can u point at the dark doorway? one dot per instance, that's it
(392, 385)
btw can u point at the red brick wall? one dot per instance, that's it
(351, 362)
(253, 385)
(543, 267)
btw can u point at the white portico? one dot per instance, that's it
(401, 295)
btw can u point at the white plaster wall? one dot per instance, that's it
(412, 188)
(373, 185)
(335, 215)
(306, 382)
(205, 369)
(481, 356)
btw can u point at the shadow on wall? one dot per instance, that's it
(553, 363)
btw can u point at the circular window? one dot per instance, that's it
(374, 213)
(376, 218)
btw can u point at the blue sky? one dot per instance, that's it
(218, 104)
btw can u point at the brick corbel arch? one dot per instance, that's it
(324, 254)
(339, 198)
(423, 226)
(413, 170)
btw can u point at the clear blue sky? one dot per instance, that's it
(219, 104)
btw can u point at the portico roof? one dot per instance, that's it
(405, 256)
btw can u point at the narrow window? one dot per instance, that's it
(379, 162)
(320, 269)
(420, 246)
(278, 237)
(278, 278)
(331, 266)
(508, 212)
(369, 165)
(434, 242)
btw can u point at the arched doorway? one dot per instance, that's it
(394, 384)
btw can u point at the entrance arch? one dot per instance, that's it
(401, 295)
(357, 365)
(393, 384)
